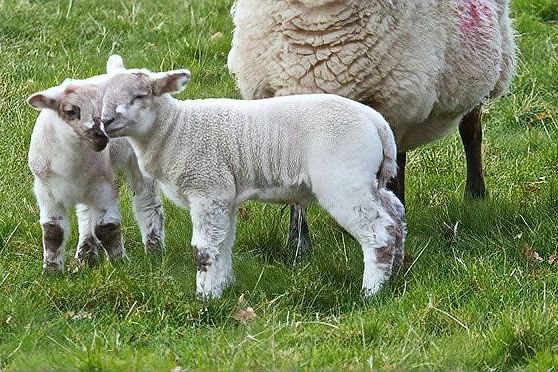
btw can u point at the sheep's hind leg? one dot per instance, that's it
(148, 209)
(55, 227)
(299, 236)
(87, 251)
(362, 214)
(214, 227)
(470, 130)
(397, 184)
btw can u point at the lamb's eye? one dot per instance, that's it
(72, 113)
(138, 97)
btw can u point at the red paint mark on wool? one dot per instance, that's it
(473, 14)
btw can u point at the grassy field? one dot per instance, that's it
(469, 296)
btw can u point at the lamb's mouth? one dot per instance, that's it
(98, 144)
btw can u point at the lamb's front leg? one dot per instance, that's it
(55, 226)
(88, 245)
(107, 226)
(108, 231)
(214, 228)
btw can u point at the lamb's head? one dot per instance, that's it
(77, 103)
(130, 98)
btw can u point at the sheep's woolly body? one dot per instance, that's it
(422, 64)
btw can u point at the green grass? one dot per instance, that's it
(467, 298)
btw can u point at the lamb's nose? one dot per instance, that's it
(107, 122)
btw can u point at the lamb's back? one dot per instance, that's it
(260, 142)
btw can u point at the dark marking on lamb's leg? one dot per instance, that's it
(385, 255)
(299, 237)
(396, 210)
(397, 184)
(470, 130)
(53, 251)
(111, 238)
(203, 259)
(154, 243)
(88, 251)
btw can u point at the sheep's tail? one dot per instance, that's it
(388, 167)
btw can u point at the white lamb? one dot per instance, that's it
(72, 168)
(425, 65)
(211, 155)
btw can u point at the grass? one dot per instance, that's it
(468, 298)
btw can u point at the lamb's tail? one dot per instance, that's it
(388, 168)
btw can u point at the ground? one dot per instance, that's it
(478, 291)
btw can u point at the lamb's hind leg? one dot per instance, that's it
(213, 236)
(396, 210)
(470, 130)
(362, 214)
(148, 209)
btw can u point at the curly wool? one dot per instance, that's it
(422, 64)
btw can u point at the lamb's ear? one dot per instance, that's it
(115, 63)
(47, 99)
(169, 82)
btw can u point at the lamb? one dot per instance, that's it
(425, 65)
(72, 168)
(211, 155)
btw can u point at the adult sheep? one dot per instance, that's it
(425, 65)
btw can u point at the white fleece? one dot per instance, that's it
(422, 63)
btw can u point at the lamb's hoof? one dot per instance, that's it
(87, 253)
(53, 269)
(154, 244)
(371, 287)
(116, 254)
(90, 259)
(209, 288)
(369, 292)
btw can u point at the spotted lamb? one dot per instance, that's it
(72, 168)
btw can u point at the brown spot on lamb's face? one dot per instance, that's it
(78, 104)
(80, 108)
